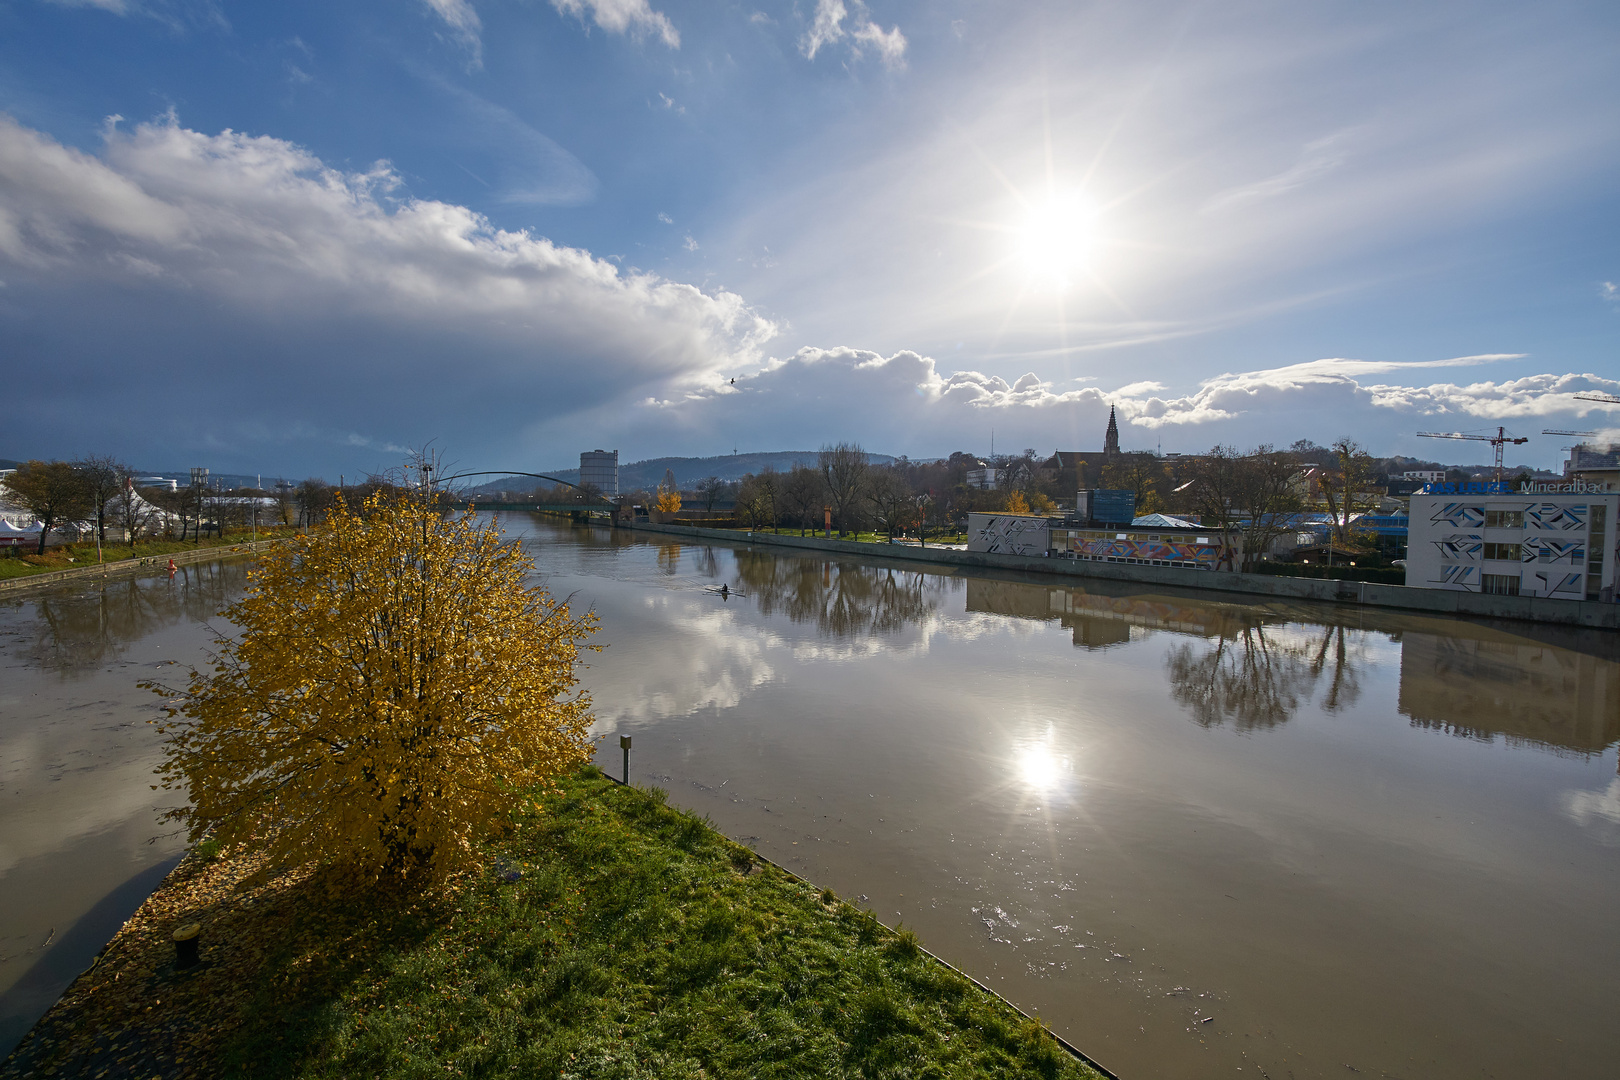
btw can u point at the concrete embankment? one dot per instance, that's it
(127, 567)
(1581, 613)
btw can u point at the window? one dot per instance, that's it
(1598, 524)
(1504, 519)
(1505, 552)
(1500, 584)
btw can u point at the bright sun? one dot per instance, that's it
(1056, 240)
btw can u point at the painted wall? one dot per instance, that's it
(1528, 543)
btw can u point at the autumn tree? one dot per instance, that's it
(394, 684)
(53, 491)
(669, 498)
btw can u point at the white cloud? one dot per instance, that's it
(1610, 292)
(117, 7)
(260, 228)
(665, 218)
(890, 44)
(904, 402)
(827, 27)
(623, 16)
(465, 26)
(690, 244)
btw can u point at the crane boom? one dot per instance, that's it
(1607, 399)
(1500, 439)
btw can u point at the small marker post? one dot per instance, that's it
(624, 744)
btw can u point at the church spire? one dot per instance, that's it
(1111, 440)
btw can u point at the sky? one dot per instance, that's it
(304, 239)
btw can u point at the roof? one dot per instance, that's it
(1163, 521)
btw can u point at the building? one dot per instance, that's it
(984, 478)
(599, 469)
(1084, 468)
(1544, 539)
(1067, 538)
(1594, 466)
(1425, 476)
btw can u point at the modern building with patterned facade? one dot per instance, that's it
(1552, 540)
(600, 469)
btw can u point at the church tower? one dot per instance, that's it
(1111, 440)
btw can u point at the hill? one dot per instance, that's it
(646, 475)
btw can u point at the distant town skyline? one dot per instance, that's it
(308, 237)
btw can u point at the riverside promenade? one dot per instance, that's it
(20, 586)
(1581, 613)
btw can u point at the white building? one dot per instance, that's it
(1553, 540)
(600, 469)
(1425, 476)
(984, 478)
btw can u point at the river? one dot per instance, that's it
(1197, 835)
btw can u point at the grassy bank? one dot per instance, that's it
(23, 562)
(611, 937)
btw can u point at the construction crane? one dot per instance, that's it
(1607, 399)
(1500, 439)
(1561, 431)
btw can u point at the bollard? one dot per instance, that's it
(624, 744)
(186, 940)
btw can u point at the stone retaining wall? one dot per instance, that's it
(1403, 597)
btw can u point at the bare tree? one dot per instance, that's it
(132, 512)
(1346, 487)
(758, 497)
(53, 491)
(844, 469)
(314, 498)
(803, 496)
(892, 501)
(1246, 497)
(709, 489)
(103, 477)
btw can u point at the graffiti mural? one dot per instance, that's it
(1460, 515)
(1458, 576)
(1555, 517)
(1460, 547)
(1553, 583)
(1539, 550)
(1203, 555)
(1008, 534)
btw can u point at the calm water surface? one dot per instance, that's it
(1354, 840)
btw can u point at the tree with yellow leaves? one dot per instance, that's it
(668, 500)
(1017, 504)
(395, 683)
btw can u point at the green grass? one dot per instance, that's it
(637, 943)
(23, 562)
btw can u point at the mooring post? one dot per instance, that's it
(624, 744)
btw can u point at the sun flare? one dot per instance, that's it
(1057, 239)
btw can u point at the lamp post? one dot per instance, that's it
(624, 744)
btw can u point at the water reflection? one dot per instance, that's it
(82, 630)
(841, 599)
(1484, 686)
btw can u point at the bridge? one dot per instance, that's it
(591, 503)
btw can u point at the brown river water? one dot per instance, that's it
(1200, 836)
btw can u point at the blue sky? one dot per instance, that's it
(299, 237)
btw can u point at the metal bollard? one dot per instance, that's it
(187, 938)
(624, 744)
